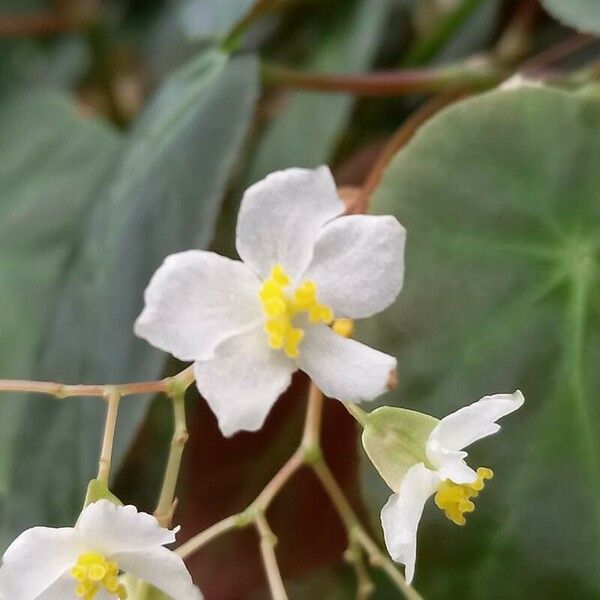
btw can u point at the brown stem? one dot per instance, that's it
(392, 83)
(268, 541)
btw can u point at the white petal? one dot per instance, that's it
(401, 515)
(450, 464)
(108, 528)
(358, 264)
(163, 569)
(471, 423)
(195, 301)
(37, 559)
(344, 368)
(243, 381)
(280, 218)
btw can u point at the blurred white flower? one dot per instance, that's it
(84, 562)
(249, 325)
(446, 474)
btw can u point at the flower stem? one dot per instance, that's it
(357, 533)
(61, 390)
(312, 424)
(167, 501)
(357, 412)
(113, 397)
(214, 531)
(268, 541)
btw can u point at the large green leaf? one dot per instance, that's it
(580, 14)
(164, 197)
(501, 199)
(305, 133)
(52, 161)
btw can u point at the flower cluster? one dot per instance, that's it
(307, 271)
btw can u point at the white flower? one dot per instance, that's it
(249, 325)
(83, 562)
(446, 474)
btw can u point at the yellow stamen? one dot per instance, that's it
(455, 499)
(280, 308)
(92, 572)
(343, 327)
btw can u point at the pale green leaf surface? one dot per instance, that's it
(395, 440)
(52, 162)
(163, 198)
(583, 15)
(500, 196)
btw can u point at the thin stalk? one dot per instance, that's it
(167, 502)
(113, 397)
(357, 532)
(214, 531)
(312, 424)
(62, 390)
(268, 541)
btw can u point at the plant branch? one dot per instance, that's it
(167, 501)
(477, 75)
(356, 532)
(268, 541)
(62, 390)
(113, 397)
(214, 531)
(364, 584)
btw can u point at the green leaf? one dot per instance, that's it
(583, 15)
(306, 132)
(164, 197)
(500, 197)
(395, 440)
(52, 162)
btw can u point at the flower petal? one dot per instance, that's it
(450, 464)
(108, 528)
(163, 569)
(343, 368)
(37, 559)
(281, 216)
(401, 515)
(471, 423)
(358, 264)
(243, 381)
(196, 300)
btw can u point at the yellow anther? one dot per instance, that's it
(455, 499)
(343, 327)
(280, 309)
(93, 572)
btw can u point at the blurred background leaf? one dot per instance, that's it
(500, 198)
(163, 197)
(52, 162)
(580, 14)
